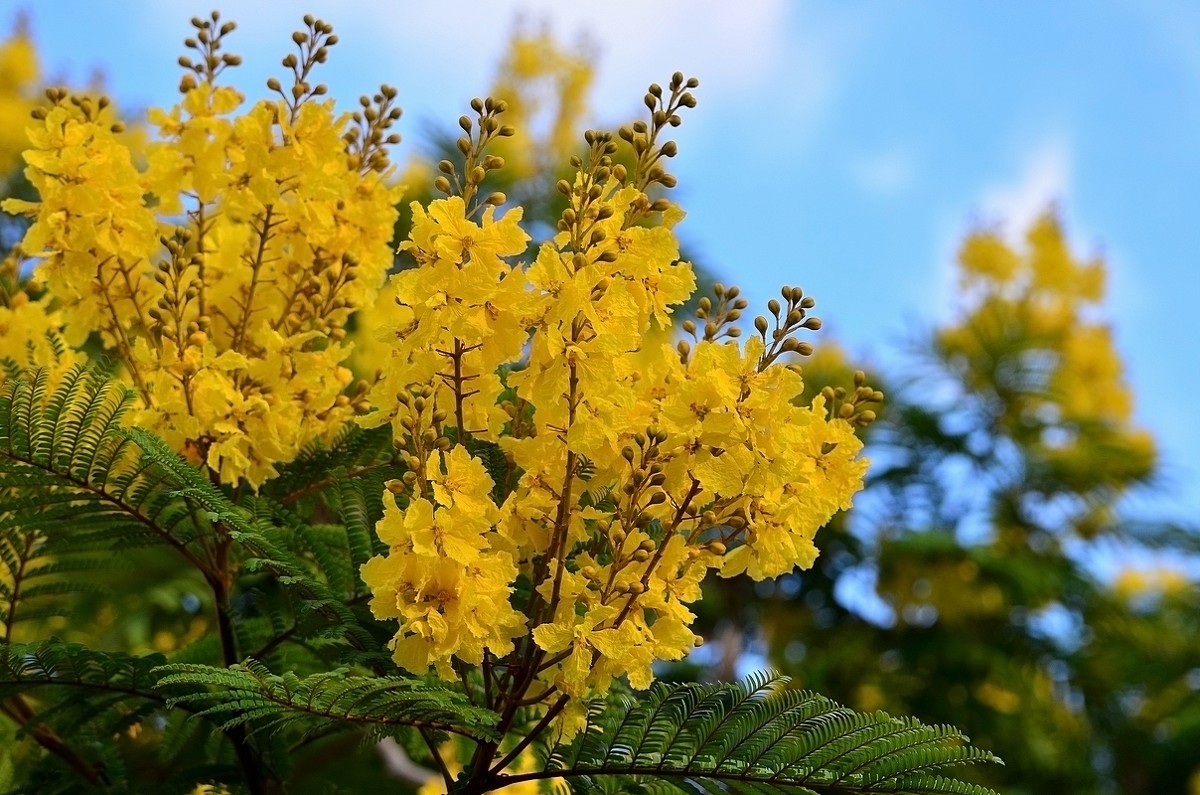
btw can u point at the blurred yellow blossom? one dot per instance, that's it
(19, 79)
(1138, 582)
(1027, 333)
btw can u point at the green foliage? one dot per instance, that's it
(252, 531)
(755, 737)
(296, 661)
(84, 698)
(249, 693)
(359, 454)
(74, 487)
(98, 690)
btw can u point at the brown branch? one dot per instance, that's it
(219, 581)
(550, 715)
(264, 236)
(20, 712)
(123, 345)
(437, 758)
(317, 485)
(662, 546)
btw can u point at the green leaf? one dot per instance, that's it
(250, 693)
(74, 488)
(80, 687)
(755, 737)
(358, 454)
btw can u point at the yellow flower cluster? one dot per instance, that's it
(1134, 584)
(223, 271)
(24, 322)
(629, 467)
(545, 88)
(444, 580)
(26, 318)
(1039, 299)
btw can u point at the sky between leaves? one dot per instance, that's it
(843, 146)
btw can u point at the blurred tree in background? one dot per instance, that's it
(964, 583)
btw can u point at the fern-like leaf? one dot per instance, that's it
(80, 690)
(367, 455)
(74, 487)
(251, 694)
(247, 526)
(356, 519)
(755, 737)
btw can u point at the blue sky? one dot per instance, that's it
(843, 146)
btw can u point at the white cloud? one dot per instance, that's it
(1041, 180)
(725, 45)
(1044, 179)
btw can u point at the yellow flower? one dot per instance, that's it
(545, 86)
(465, 483)
(985, 256)
(583, 635)
(457, 239)
(1027, 332)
